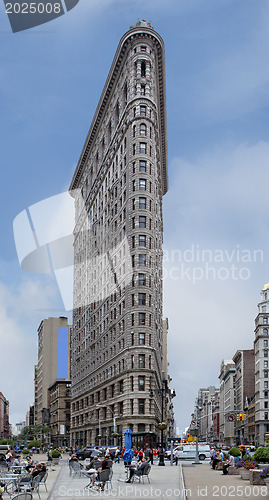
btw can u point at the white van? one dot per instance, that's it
(4, 449)
(189, 451)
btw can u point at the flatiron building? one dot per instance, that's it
(118, 185)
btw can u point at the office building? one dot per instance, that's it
(118, 186)
(227, 413)
(53, 363)
(262, 369)
(244, 388)
(4, 417)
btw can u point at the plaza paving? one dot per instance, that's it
(203, 482)
(200, 481)
(164, 484)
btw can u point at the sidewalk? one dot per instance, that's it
(203, 482)
(164, 484)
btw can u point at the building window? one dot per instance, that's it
(143, 129)
(142, 221)
(143, 203)
(265, 374)
(141, 279)
(132, 383)
(141, 361)
(143, 111)
(265, 353)
(266, 405)
(142, 166)
(132, 406)
(132, 319)
(121, 386)
(143, 89)
(266, 384)
(265, 331)
(143, 48)
(142, 148)
(142, 184)
(266, 394)
(265, 364)
(266, 415)
(142, 299)
(142, 240)
(265, 321)
(142, 319)
(132, 361)
(142, 263)
(264, 309)
(141, 406)
(134, 130)
(134, 148)
(265, 343)
(143, 69)
(141, 383)
(141, 338)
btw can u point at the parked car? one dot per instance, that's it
(85, 453)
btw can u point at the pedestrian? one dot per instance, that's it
(151, 456)
(176, 456)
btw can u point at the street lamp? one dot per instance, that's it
(162, 425)
(114, 422)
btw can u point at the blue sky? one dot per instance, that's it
(217, 79)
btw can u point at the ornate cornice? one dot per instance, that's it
(143, 29)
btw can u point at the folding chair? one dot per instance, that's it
(142, 473)
(23, 496)
(105, 476)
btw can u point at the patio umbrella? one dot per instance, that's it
(128, 454)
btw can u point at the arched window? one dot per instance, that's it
(134, 130)
(143, 129)
(265, 331)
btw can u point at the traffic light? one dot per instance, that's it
(241, 416)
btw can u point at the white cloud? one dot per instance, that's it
(21, 310)
(217, 203)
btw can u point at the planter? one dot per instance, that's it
(262, 466)
(56, 461)
(244, 473)
(266, 481)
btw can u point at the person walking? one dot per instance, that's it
(151, 456)
(176, 456)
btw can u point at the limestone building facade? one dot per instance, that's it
(53, 362)
(262, 369)
(118, 186)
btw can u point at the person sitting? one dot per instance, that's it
(17, 461)
(36, 470)
(104, 466)
(139, 469)
(28, 464)
(227, 464)
(215, 460)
